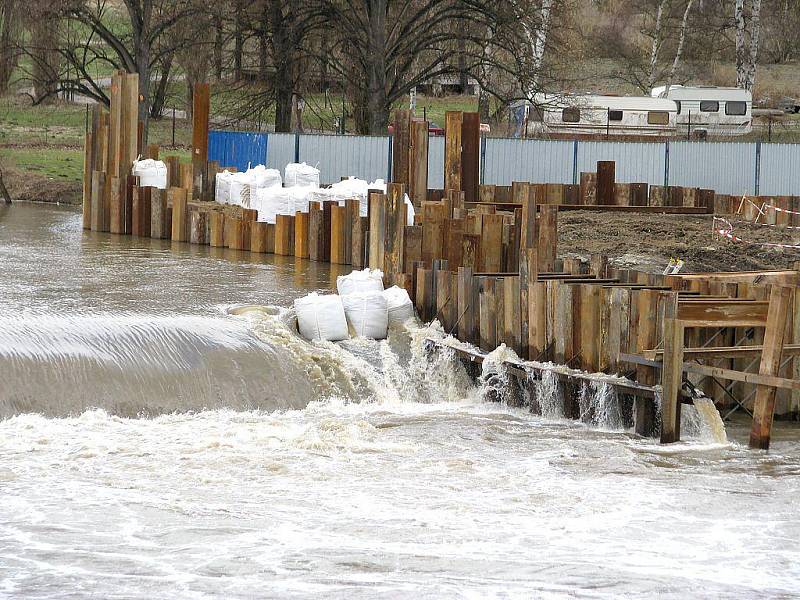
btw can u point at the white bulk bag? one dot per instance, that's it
(409, 210)
(367, 314)
(270, 202)
(222, 191)
(359, 282)
(321, 317)
(301, 174)
(151, 173)
(401, 309)
(299, 197)
(262, 177)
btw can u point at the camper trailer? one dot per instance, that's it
(602, 116)
(708, 110)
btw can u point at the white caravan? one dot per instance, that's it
(710, 110)
(599, 116)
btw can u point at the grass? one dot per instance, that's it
(56, 163)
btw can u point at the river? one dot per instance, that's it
(153, 445)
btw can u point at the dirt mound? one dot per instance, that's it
(648, 241)
(28, 186)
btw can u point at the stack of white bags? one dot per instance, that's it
(241, 188)
(362, 305)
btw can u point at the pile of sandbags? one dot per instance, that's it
(399, 305)
(270, 202)
(368, 280)
(367, 313)
(151, 173)
(301, 174)
(242, 188)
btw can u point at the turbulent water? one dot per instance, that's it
(153, 444)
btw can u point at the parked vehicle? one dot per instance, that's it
(592, 115)
(709, 110)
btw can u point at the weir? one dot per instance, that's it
(483, 261)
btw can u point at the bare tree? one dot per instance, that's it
(10, 12)
(747, 24)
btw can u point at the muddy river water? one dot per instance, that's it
(152, 445)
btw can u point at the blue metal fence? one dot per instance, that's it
(727, 167)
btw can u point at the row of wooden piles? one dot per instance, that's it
(489, 271)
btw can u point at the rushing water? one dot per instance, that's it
(153, 445)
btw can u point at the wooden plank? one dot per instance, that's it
(432, 232)
(141, 211)
(622, 194)
(488, 315)
(445, 307)
(98, 205)
(588, 185)
(316, 237)
(491, 243)
(470, 155)
(127, 205)
(722, 313)
(176, 197)
(160, 215)
(554, 193)
(774, 337)
(377, 229)
(547, 230)
(486, 192)
(720, 352)
(217, 229)
(197, 227)
(412, 247)
(638, 194)
(513, 332)
(572, 194)
(452, 150)
(466, 312)
(284, 227)
(395, 211)
(116, 221)
(500, 310)
(590, 331)
(671, 374)
(606, 170)
(258, 237)
(418, 178)
(470, 250)
(338, 223)
(424, 299)
(88, 167)
(270, 239)
(537, 320)
(455, 234)
(563, 335)
(358, 237)
(300, 234)
(201, 104)
(401, 147)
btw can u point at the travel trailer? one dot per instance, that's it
(602, 116)
(709, 110)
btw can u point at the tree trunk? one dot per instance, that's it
(238, 40)
(46, 59)
(262, 45)
(3, 191)
(654, 49)
(160, 93)
(679, 52)
(218, 45)
(741, 52)
(755, 35)
(283, 56)
(9, 23)
(377, 101)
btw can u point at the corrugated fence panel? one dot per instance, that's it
(338, 156)
(637, 162)
(237, 148)
(727, 167)
(538, 161)
(436, 162)
(280, 151)
(780, 175)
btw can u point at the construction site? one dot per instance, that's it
(484, 261)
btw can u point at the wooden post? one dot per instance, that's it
(412, 247)
(588, 189)
(141, 211)
(338, 224)
(217, 229)
(537, 320)
(284, 226)
(547, 237)
(488, 315)
(466, 311)
(395, 219)
(470, 155)
(358, 236)
(671, 372)
(316, 238)
(180, 226)
(98, 206)
(647, 337)
(160, 215)
(605, 181)
(377, 229)
(401, 147)
(201, 103)
(258, 236)
(774, 334)
(452, 150)
(88, 159)
(197, 234)
(418, 179)
(116, 220)
(432, 233)
(512, 335)
(301, 222)
(445, 306)
(492, 243)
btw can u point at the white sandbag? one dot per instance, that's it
(301, 174)
(262, 177)
(409, 210)
(270, 202)
(299, 197)
(357, 282)
(222, 191)
(321, 317)
(367, 314)
(401, 309)
(151, 173)
(239, 193)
